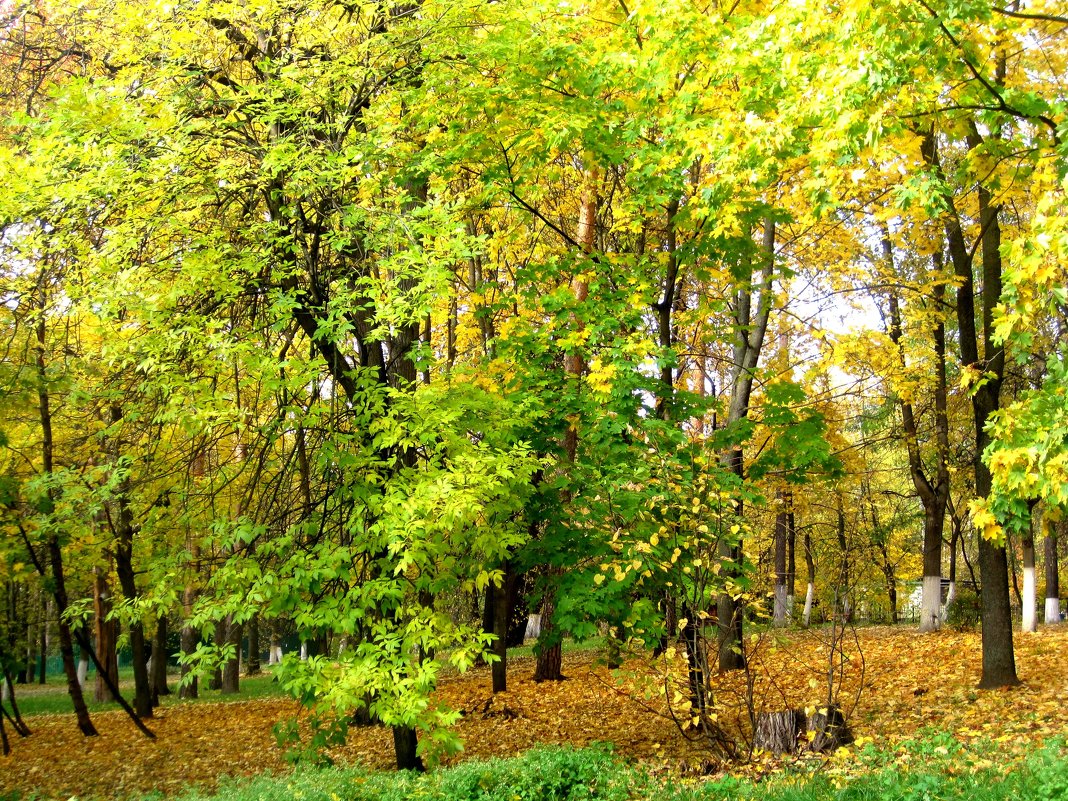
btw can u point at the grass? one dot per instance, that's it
(596, 774)
(52, 698)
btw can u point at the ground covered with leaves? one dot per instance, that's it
(894, 683)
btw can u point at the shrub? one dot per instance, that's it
(966, 611)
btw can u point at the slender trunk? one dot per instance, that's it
(55, 553)
(106, 635)
(752, 310)
(159, 661)
(810, 590)
(252, 667)
(951, 593)
(231, 672)
(779, 615)
(843, 590)
(66, 641)
(933, 491)
(502, 599)
(188, 688)
(42, 643)
(1053, 588)
(999, 662)
(791, 556)
(550, 657)
(1029, 602)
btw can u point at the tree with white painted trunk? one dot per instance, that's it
(1053, 583)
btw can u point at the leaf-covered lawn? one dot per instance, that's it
(910, 683)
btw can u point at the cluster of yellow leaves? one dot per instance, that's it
(897, 684)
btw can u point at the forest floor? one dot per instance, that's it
(895, 685)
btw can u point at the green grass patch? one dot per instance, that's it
(596, 774)
(52, 699)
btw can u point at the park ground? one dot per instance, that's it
(896, 686)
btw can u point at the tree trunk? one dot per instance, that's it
(550, 657)
(779, 732)
(42, 643)
(66, 641)
(405, 745)
(124, 538)
(780, 612)
(1029, 618)
(810, 591)
(503, 598)
(252, 667)
(189, 638)
(791, 556)
(106, 636)
(159, 661)
(752, 308)
(933, 491)
(1053, 585)
(231, 672)
(55, 553)
(999, 663)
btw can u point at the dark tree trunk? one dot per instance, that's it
(42, 643)
(189, 638)
(55, 552)
(405, 744)
(107, 632)
(503, 598)
(219, 636)
(124, 568)
(550, 657)
(231, 672)
(999, 663)
(1053, 582)
(66, 641)
(791, 552)
(780, 612)
(159, 661)
(252, 667)
(696, 663)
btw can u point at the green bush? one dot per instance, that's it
(966, 611)
(945, 772)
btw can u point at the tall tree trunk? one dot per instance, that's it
(42, 644)
(550, 657)
(188, 688)
(999, 663)
(503, 599)
(106, 635)
(791, 556)
(159, 661)
(55, 553)
(810, 591)
(252, 667)
(405, 744)
(231, 672)
(1029, 602)
(752, 309)
(1053, 581)
(780, 612)
(933, 491)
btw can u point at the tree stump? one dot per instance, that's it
(831, 729)
(778, 732)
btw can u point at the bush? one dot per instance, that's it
(966, 611)
(943, 770)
